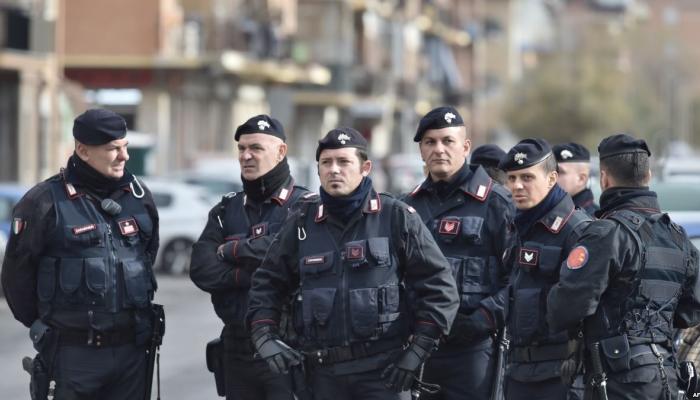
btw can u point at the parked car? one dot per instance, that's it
(183, 210)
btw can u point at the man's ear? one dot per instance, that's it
(82, 151)
(366, 168)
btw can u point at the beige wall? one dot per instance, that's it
(108, 27)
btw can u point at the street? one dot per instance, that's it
(190, 324)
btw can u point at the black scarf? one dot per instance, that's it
(621, 197)
(525, 219)
(262, 188)
(80, 173)
(344, 207)
(445, 188)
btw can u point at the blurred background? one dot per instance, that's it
(186, 73)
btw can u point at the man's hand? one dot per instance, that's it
(400, 375)
(272, 349)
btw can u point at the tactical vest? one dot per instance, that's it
(537, 262)
(231, 305)
(642, 300)
(459, 226)
(95, 262)
(349, 292)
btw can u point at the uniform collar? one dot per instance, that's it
(559, 215)
(284, 193)
(478, 185)
(372, 205)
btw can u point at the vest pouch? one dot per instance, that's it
(316, 266)
(379, 249)
(389, 298)
(145, 225)
(550, 260)
(86, 235)
(364, 311)
(317, 307)
(473, 291)
(527, 314)
(96, 277)
(136, 283)
(70, 275)
(471, 229)
(46, 278)
(616, 351)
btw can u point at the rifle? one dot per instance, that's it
(152, 352)
(500, 367)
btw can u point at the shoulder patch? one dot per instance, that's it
(18, 225)
(578, 257)
(411, 209)
(309, 195)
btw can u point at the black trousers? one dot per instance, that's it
(462, 373)
(248, 379)
(643, 383)
(550, 389)
(108, 373)
(356, 386)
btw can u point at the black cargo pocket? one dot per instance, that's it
(389, 297)
(96, 275)
(364, 311)
(616, 351)
(645, 374)
(527, 312)
(471, 229)
(473, 289)
(456, 268)
(550, 260)
(46, 278)
(136, 283)
(91, 235)
(317, 307)
(316, 265)
(145, 225)
(71, 274)
(379, 249)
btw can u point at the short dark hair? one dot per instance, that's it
(362, 155)
(627, 169)
(549, 164)
(496, 174)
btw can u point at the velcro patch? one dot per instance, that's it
(128, 227)
(354, 252)
(314, 260)
(85, 228)
(529, 256)
(258, 230)
(578, 257)
(449, 226)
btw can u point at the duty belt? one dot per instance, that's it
(540, 353)
(71, 337)
(333, 355)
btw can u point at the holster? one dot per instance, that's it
(216, 365)
(40, 368)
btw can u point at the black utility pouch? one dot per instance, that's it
(215, 364)
(616, 351)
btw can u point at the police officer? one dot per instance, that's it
(231, 247)
(489, 156)
(471, 219)
(78, 268)
(574, 168)
(632, 278)
(548, 225)
(346, 257)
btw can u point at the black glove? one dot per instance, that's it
(469, 328)
(272, 349)
(400, 375)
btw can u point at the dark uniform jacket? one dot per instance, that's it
(473, 226)
(633, 279)
(586, 201)
(247, 228)
(348, 280)
(77, 267)
(537, 353)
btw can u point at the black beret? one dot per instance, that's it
(341, 137)
(525, 154)
(571, 152)
(488, 155)
(438, 118)
(98, 126)
(261, 124)
(621, 144)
